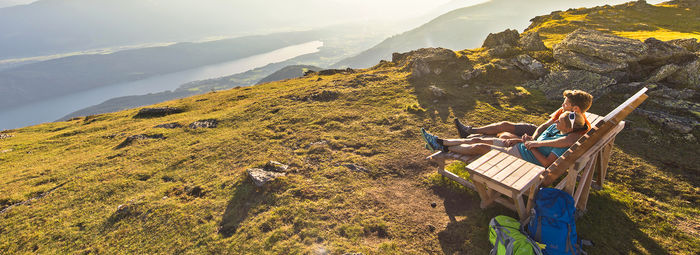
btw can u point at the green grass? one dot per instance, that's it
(648, 206)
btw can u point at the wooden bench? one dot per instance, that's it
(497, 176)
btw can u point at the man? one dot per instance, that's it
(577, 101)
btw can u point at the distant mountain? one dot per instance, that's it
(289, 72)
(463, 28)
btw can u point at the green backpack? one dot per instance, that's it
(506, 235)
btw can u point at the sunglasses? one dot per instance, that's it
(572, 118)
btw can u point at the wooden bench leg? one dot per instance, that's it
(484, 194)
(520, 206)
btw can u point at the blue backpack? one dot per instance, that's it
(552, 222)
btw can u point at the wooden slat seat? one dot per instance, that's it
(503, 178)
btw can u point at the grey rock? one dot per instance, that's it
(438, 92)
(532, 42)
(260, 177)
(472, 73)
(530, 65)
(662, 52)
(503, 51)
(157, 112)
(687, 75)
(133, 138)
(677, 104)
(5, 136)
(169, 125)
(585, 62)
(275, 166)
(430, 61)
(509, 36)
(554, 84)
(194, 191)
(676, 123)
(666, 92)
(690, 44)
(598, 52)
(663, 72)
(208, 123)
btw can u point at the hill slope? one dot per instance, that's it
(289, 72)
(357, 180)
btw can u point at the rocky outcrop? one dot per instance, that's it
(157, 112)
(169, 125)
(554, 84)
(662, 73)
(509, 37)
(4, 136)
(431, 61)
(530, 65)
(687, 75)
(690, 44)
(208, 123)
(531, 42)
(503, 51)
(598, 52)
(659, 52)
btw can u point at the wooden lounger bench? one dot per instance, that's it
(497, 176)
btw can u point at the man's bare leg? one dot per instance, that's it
(455, 142)
(471, 149)
(494, 128)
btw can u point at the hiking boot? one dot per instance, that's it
(431, 141)
(463, 130)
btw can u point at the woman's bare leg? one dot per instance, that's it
(471, 149)
(455, 142)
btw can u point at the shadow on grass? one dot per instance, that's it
(456, 99)
(611, 229)
(245, 197)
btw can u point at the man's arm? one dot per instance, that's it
(542, 128)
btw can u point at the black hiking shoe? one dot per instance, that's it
(463, 130)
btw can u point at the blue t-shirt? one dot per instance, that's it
(550, 133)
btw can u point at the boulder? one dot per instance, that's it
(431, 61)
(662, 72)
(598, 52)
(260, 177)
(275, 166)
(208, 123)
(531, 42)
(659, 52)
(157, 112)
(554, 83)
(687, 75)
(530, 65)
(690, 44)
(503, 51)
(509, 36)
(585, 62)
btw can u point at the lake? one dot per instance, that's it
(53, 109)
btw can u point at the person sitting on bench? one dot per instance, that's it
(542, 150)
(574, 100)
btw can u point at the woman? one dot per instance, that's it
(539, 150)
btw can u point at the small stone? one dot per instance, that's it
(275, 166)
(356, 168)
(431, 228)
(465, 85)
(169, 125)
(194, 191)
(438, 92)
(208, 123)
(4, 136)
(433, 204)
(260, 177)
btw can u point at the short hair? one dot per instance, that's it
(579, 98)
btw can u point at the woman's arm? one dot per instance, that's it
(562, 142)
(545, 161)
(542, 128)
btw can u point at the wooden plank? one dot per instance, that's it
(436, 155)
(486, 157)
(510, 170)
(513, 178)
(481, 189)
(491, 163)
(581, 197)
(500, 166)
(499, 187)
(630, 101)
(527, 178)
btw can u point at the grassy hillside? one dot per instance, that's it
(187, 192)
